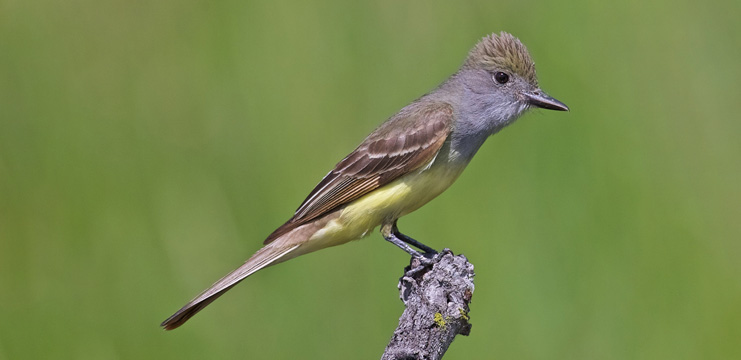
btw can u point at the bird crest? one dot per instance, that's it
(502, 52)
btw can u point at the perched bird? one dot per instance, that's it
(406, 162)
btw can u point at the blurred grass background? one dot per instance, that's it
(148, 147)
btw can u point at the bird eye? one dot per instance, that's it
(501, 77)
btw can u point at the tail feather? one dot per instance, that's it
(262, 258)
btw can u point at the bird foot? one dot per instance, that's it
(424, 261)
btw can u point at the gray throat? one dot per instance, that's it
(477, 116)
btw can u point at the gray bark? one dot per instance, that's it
(436, 297)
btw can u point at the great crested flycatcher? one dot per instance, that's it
(406, 162)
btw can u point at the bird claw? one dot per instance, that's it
(422, 261)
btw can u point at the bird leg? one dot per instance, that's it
(392, 234)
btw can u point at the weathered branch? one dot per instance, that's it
(436, 297)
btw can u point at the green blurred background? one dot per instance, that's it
(148, 147)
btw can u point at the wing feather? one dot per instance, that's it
(406, 142)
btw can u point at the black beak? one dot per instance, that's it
(542, 100)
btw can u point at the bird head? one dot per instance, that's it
(499, 74)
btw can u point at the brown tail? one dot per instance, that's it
(264, 257)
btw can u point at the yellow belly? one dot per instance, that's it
(387, 203)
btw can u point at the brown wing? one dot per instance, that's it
(404, 143)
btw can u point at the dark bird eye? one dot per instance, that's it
(501, 77)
